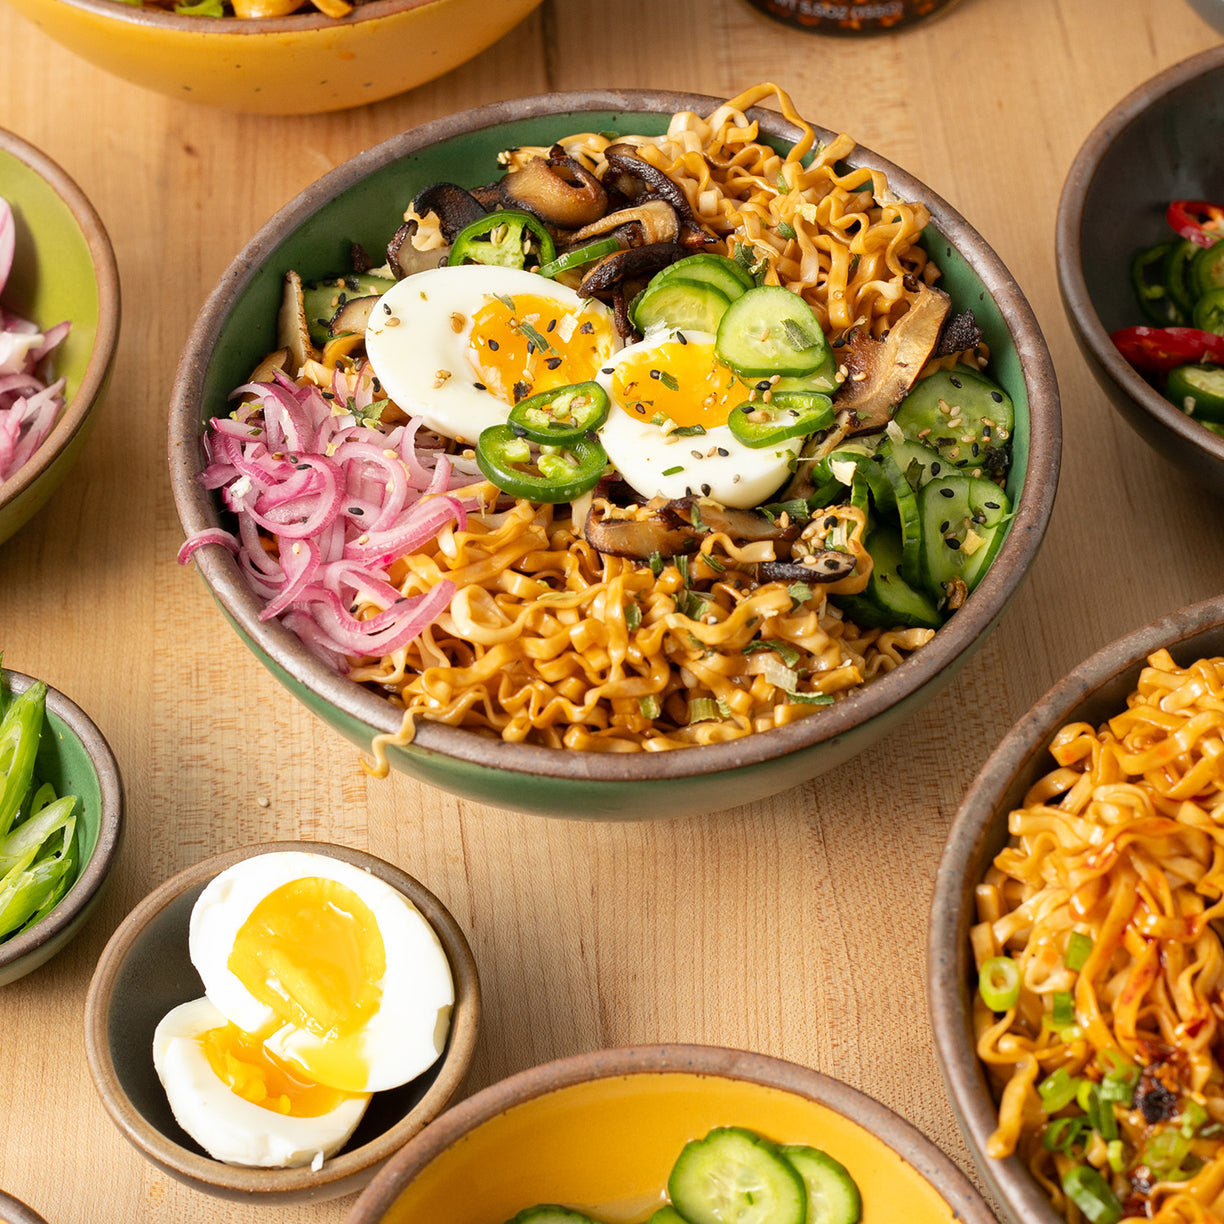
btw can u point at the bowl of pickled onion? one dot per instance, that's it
(59, 289)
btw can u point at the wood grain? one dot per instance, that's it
(796, 927)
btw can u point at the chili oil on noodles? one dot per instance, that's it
(1100, 962)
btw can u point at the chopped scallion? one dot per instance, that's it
(999, 983)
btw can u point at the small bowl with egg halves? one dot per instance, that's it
(244, 1011)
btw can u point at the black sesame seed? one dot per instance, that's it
(975, 450)
(946, 493)
(956, 382)
(327, 395)
(943, 527)
(705, 488)
(763, 385)
(386, 308)
(552, 324)
(530, 347)
(656, 373)
(586, 329)
(830, 522)
(997, 396)
(991, 505)
(303, 467)
(376, 384)
(935, 468)
(952, 542)
(608, 370)
(722, 450)
(480, 386)
(357, 510)
(681, 337)
(494, 345)
(986, 431)
(553, 362)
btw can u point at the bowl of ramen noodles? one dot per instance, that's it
(1074, 957)
(682, 1131)
(615, 455)
(1141, 262)
(278, 57)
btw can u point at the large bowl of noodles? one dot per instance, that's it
(363, 202)
(1087, 855)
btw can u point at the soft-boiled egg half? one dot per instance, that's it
(667, 431)
(459, 346)
(239, 1102)
(332, 969)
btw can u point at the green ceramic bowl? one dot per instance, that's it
(64, 269)
(363, 201)
(75, 758)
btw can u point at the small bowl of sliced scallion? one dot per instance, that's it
(61, 816)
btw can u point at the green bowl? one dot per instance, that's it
(64, 268)
(75, 758)
(363, 201)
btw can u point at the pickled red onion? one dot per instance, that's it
(341, 501)
(28, 406)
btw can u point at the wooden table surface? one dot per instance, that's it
(795, 927)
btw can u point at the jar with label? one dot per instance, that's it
(851, 16)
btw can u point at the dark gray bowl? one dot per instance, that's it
(1160, 143)
(1092, 693)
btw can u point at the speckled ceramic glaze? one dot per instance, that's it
(64, 268)
(14, 1211)
(75, 758)
(145, 971)
(364, 200)
(1170, 128)
(1093, 692)
(299, 64)
(599, 1132)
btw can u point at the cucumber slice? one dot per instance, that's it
(887, 600)
(735, 1177)
(667, 1215)
(323, 298)
(770, 330)
(679, 304)
(550, 1213)
(724, 274)
(964, 520)
(919, 463)
(833, 1195)
(906, 503)
(967, 418)
(855, 462)
(823, 378)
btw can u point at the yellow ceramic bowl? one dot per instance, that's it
(600, 1132)
(292, 65)
(64, 268)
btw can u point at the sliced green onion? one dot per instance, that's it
(1116, 1155)
(702, 709)
(1164, 1153)
(1091, 1193)
(649, 706)
(999, 983)
(1118, 1083)
(1193, 1115)
(1063, 1134)
(1079, 949)
(1064, 1009)
(633, 616)
(1057, 1090)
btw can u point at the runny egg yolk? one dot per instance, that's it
(311, 951)
(684, 381)
(525, 344)
(254, 1073)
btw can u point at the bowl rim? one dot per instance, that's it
(94, 873)
(269, 1184)
(902, 1137)
(197, 511)
(14, 1211)
(106, 335)
(291, 23)
(1021, 749)
(1068, 248)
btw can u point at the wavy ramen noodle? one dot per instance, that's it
(1097, 948)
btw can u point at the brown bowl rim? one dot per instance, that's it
(110, 823)
(1069, 251)
(14, 1211)
(221, 574)
(292, 23)
(900, 1136)
(106, 336)
(215, 1176)
(949, 1003)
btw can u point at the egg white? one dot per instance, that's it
(421, 360)
(402, 1038)
(225, 1125)
(715, 464)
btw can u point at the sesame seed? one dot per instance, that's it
(946, 493)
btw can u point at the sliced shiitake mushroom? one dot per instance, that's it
(643, 224)
(674, 528)
(557, 189)
(629, 262)
(353, 316)
(292, 331)
(879, 373)
(827, 565)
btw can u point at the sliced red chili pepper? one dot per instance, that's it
(1155, 350)
(1199, 220)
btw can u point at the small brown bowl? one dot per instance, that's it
(600, 1131)
(1094, 692)
(14, 1211)
(75, 758)
(145, 970)
(1160, 143)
